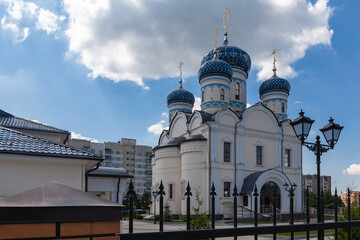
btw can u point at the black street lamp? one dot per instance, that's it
(291, 189)
(155, 194)
(331, 132)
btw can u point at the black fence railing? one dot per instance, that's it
(256, 230)
(345, 225)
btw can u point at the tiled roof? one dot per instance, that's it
(10, 121)
(12, 141)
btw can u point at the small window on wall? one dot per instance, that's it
(237, 91)
(171, 189)
(226, 189)
(245, 201)
(222, 94)
(287, 159)
(259, 155)
(226, 152)
(283, 107)
(203, 96)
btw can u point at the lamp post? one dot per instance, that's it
(291, 189)
(331, 132)
(155, 194)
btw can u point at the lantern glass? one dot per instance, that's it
(286, 186)
(302, 126)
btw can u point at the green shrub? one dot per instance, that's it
(167, 212)
(199, 220)
(354, 232)
(139, 217)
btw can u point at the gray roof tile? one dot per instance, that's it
(12, 141)
(10, 121)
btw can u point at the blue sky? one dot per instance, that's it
(103, 70)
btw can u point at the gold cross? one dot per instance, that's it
(214, 35)
(180, 67)
(225, 18)
(273, 53)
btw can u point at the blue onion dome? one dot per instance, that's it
(274, 83)
(215, 67)
(234, 56)
(180, 95)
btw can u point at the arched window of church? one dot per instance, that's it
(203, 96)
(237, 91)
(222, 94)
(283, 107)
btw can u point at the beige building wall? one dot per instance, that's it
(21, 172)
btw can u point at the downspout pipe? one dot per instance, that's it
(117, 191)
(87, 175)
(209, 165)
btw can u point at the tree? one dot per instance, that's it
(145, 200)
(167, 212)
(199, 220)
(354, 232)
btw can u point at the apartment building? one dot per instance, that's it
(123, 154)
(310, 182)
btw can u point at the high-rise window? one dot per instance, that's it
(237, 91)
(283, 107)
(203, 96)
(226, 152)
(226, 189)
(259, 155)
(222, 94)
(287, 162)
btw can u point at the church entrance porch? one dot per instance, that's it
(266, 197)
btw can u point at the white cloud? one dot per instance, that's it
(21, 17)
(48, 21)
(19, 35)
(75, 135)
(248, 105)
(157, 127)
(139, 40)
(165, 115)
(298, 102)
(197, 104)
(354, 169)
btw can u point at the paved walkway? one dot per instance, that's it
(145, 226)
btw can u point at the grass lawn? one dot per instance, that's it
(304, 233)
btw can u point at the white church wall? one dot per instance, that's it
(168, 170)
(192, 161)
(261, 121)
(179, 126)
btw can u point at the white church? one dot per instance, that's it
(228, 143)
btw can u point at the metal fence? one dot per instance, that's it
(345, 225)
(256, 230)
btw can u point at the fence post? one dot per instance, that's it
(256, 209)
(274, 210)
(307, 211)
(213, 194)
(131, 204)
(235, 194)
(322, 211)
(161, 192)
(336, 212)
(188, 194)
(291, 194)
(349, 212)
(359, 210)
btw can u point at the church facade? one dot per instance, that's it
(228, 143)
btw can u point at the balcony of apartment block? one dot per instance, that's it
(148, 173)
